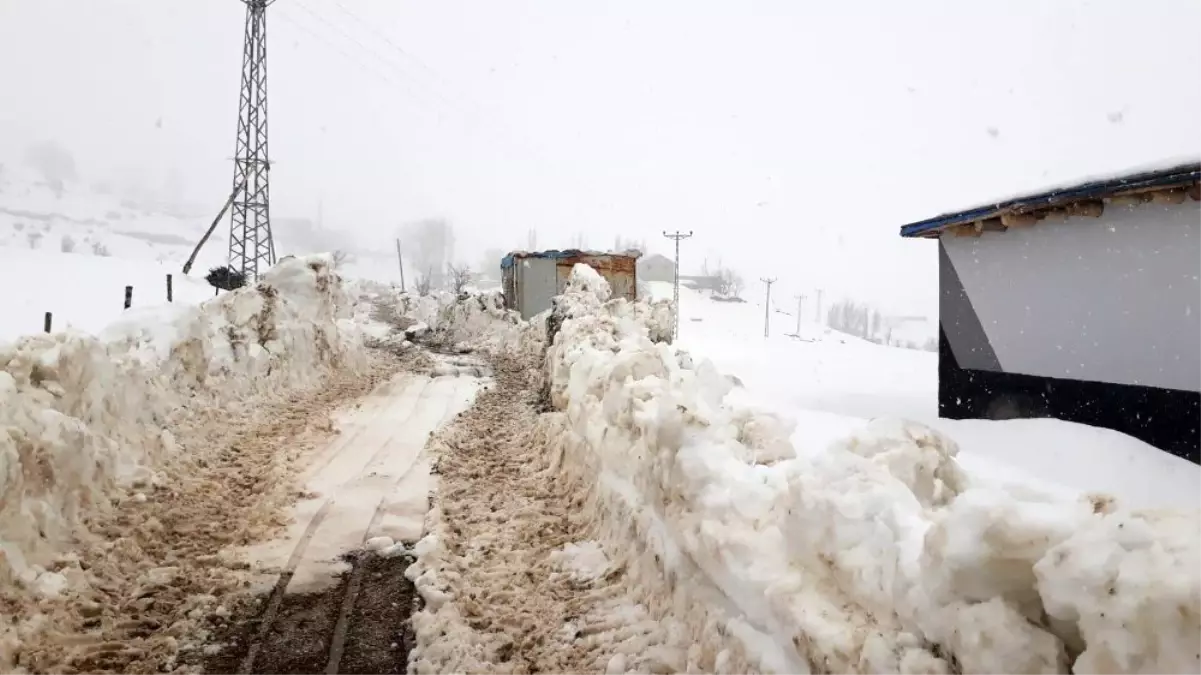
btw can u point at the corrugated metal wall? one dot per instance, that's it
(530, 283)
(619, 271)
(537, 284)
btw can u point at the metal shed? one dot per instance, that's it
(531, 280)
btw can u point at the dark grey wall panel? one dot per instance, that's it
(965, 335)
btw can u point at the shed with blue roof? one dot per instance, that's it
(1081, 303)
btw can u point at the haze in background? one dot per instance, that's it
(793, 138)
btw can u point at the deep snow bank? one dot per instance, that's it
(878, 555)
(82, 416)
(472, 318)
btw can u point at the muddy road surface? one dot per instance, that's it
(338, 600)
(359, 625)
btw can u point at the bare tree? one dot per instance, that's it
(423, 284)
(729, 283)
(429, 244)
(341, 258)
(459, 277)
(622, 244)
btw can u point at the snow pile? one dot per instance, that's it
(478, 317)
(378, 316)
(421, 308)
(878, 555)
(82, 417)
(453, 321)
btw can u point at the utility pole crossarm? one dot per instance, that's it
(677, 237)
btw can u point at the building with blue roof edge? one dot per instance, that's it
(1080, 303)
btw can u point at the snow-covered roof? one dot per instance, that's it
(1139, 185)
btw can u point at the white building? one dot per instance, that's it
(1081, 303)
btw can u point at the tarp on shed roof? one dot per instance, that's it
(508, 260)
(1179, 174)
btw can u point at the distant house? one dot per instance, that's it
(655, 267)
(1081, 303)
(701, 283)
(531, 280)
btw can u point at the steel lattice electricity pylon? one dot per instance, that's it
(251, 246)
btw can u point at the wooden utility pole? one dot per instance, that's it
(187, 266)
(401, 261)
(767, 307)
(675, 293)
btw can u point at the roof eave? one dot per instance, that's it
(1162, 179)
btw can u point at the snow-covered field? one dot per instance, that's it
(830, 384)
(73, 252)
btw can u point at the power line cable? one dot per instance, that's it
(382, 76)
(382, 36)
(346, 34)
(519, 141)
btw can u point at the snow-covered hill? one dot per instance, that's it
(77, 218)
(72, 249)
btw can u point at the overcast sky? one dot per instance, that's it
(793, 137)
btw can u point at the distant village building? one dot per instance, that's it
(708, 282)
(655, 267)
(531, 280)
(1081, 303)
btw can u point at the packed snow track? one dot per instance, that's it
(338, 595)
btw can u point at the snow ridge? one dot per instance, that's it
(84, 417)
(878, 555)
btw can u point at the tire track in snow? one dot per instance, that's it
(371, 411)
(337, 450)
(333, 451)
(154, 579)
(502, 588)
(397, 426)
(338, 643)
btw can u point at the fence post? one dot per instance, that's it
(47, 322)
(170, 297)
(128, 297)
